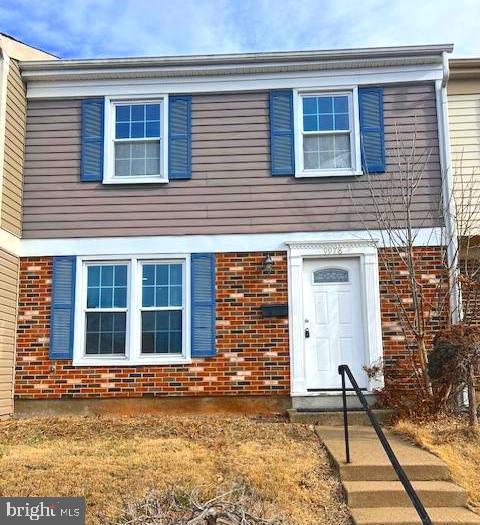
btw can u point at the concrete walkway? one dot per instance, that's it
(374, 493)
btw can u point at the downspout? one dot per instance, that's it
(4, 67)
(447, 189)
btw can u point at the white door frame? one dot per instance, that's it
(366, 250)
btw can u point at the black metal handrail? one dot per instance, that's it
(402, 476)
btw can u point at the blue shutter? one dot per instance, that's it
(91, 165)
(282, 148)
(372, 140)
(63, 303)
(203, 304)
(180, 137)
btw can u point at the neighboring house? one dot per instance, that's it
(196, 226)
(464, 125)
(12, 136)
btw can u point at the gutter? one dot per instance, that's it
(448, 189)
(243, 63)
(4, 68)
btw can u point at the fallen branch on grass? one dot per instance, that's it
(186, 508)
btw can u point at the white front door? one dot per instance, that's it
(334, 331)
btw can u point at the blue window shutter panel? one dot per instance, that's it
(63, 304)
(282, 140)
(180, 137)
(372, 136)
(203, 304)
(91, 164)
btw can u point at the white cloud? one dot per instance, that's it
(88, 28)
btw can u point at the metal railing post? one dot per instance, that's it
(402, 476)
(345, 416)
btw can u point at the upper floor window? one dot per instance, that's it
(136, 147)
(327, 134)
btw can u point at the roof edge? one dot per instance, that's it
(239, 58)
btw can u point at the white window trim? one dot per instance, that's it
(352, 93)
(132, 356)
(109, 140)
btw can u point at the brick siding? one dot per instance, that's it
(252, 351)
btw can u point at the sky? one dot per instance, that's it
(109, 28)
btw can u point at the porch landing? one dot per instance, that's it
(373, 492)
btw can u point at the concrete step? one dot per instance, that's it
(330, 401)
(408, 516)
(392, 494)
(335, 417)
(370, 462)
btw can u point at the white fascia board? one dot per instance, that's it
(186, 244)
(228, 83)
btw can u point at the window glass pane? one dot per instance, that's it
(162, 332)
(153, 112)
(105, 333)
(137, 121)
(106, 275)
(309, 105)
(122, 130)
(310, 123)
(325, 104)
(137, 159)
(341, 121)
(102, 290)
(93, 273)
(325, 122)
(176, 274)
(122, 113)
(137, 130)
(340, 104)
(138, 112)
(93, 297)
(152, 129)
(327, 152)
(162, 285)
(326, 113)
(330, 275)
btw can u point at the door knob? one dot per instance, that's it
(307, 333)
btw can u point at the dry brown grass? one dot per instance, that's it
(112, 460)
(458, 445)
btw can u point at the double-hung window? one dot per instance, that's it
(136, 146)
(132, 311)
(327, 134)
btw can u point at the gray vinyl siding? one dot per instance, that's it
(11, 209)
(8, 313)
(231, 190)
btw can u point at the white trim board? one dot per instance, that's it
(226, 83)
(253, 242)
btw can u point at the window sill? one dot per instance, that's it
(147, 361)
(329, 173)
(136, 180)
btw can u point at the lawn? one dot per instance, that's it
(114, 461)
(458, 445)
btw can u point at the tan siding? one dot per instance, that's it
(231, 190)
(11, 209)
(8, 310)
(464, 124)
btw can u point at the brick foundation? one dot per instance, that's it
(252, 351)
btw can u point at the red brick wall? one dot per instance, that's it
(399, 367)
(252, 352)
